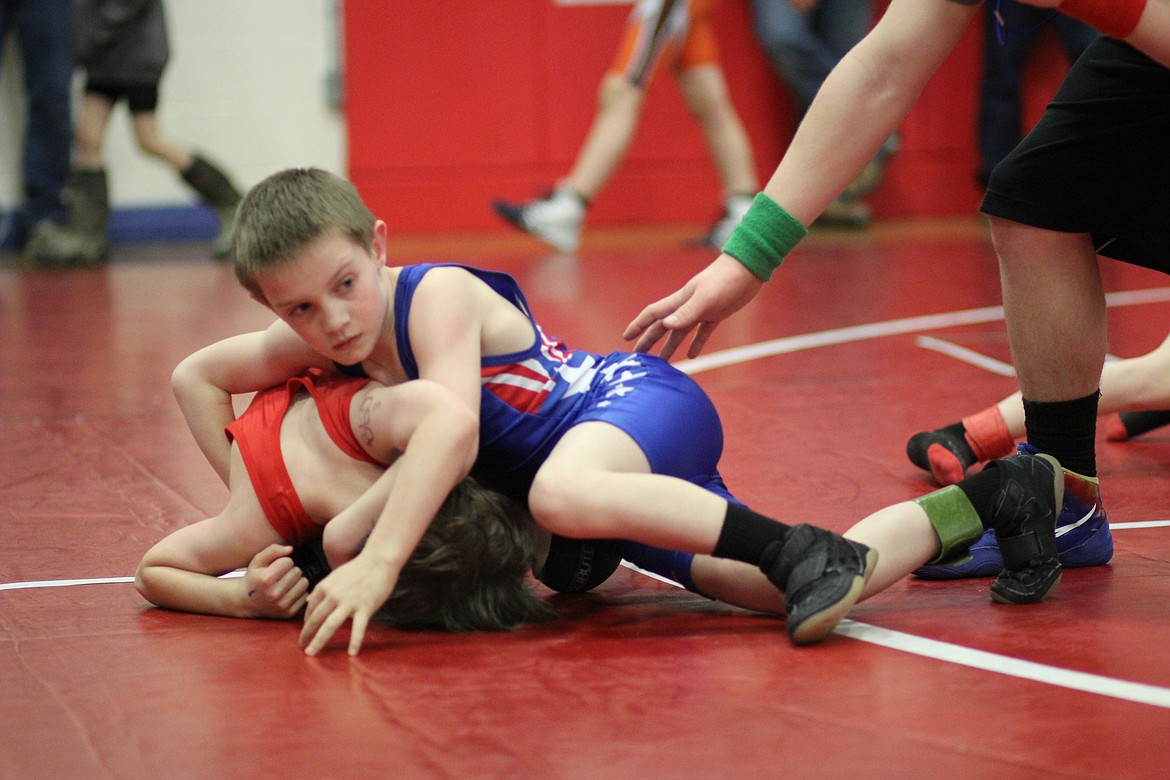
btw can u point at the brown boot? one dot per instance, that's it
(82, 241)
(216, 188)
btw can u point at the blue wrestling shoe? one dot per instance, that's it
(1083, 537)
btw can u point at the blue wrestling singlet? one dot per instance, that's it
(529, 400)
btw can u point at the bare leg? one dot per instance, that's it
(90, 130)
(1137, 383)
(1133, 384)
(706, 94)
(151, 141)
(1055, 309)
(902, 534)
(904, 538)
(619, 106)
(596, 483)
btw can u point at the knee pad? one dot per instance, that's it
(579, 565)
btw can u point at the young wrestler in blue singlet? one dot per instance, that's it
(622, 446)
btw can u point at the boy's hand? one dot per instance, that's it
(275, 587)
(356, 590)
(716, 292)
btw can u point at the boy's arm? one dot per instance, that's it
(183, 570)
(347, 532)
(205, 382)
(447, 319)
(438, 437)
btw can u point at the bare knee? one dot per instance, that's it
(564, 502)
(617, 92)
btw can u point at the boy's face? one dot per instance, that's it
(332, 295)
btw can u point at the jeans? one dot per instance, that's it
(1000, 127)
(804, 48)
(42, 32)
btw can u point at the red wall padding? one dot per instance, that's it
(450, 103)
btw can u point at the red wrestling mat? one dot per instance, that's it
(638, 679)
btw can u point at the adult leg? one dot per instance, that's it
(1075, 36)
(792, 45)
(1054, 305)
(82, 240)
(842, 23)
(42, 29)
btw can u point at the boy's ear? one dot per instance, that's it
(379, 243)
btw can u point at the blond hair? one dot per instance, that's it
(289, 210)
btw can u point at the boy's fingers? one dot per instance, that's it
(296, 592)
(314, 615)
(272, 552)
(325, 632)
(357, 633)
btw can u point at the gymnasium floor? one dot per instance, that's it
(861, 340)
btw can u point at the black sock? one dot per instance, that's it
(745, 534)
(980, 489)
(1066, 430)
(1137, 423)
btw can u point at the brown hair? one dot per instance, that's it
(289, 210)
(468, 573)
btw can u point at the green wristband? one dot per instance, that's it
(764, 237)
(954, 519)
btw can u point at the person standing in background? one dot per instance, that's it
(804, 40)
(679, 35)
(123, 47)
(1008, 43)
(42, 31)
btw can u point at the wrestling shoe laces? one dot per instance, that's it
(821, 575)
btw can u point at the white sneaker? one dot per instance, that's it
(733, 211)
(555, 220)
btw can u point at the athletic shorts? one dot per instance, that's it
(662, 409)
(675, 32)
(141, 98)
(1098, 161)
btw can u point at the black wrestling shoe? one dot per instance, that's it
(821, 575)
(1129, 425)
(310, 559)
(1024, 516)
